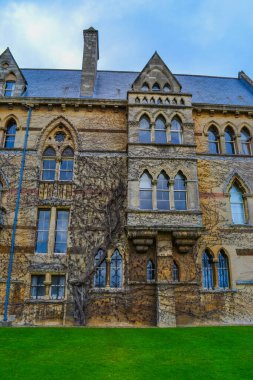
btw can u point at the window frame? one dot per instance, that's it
(42, 230)
(9, 139)
(215, 142)
(146, 190)
(243, 204)
(179, 131)
(208, 271)
(58, 287)
(11, 91)
(160, 131)
(145, 131)
(177, 191)
(162, 192)
(37, 287)
(61, 231)
(150, 271)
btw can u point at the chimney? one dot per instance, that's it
(90, 58)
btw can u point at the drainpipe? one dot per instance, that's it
(14, 229)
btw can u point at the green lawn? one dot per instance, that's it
(89, 353)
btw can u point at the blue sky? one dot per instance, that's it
(211, 37)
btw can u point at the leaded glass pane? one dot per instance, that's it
(180, 193)
(116, 270)
(207, 270)
(42, 231)
(37, 286)
(175, 271)
(10, 135)
(176, 132)
(66, 170)
(245, 139)
(150, 271)
(48, 170)
(61, 232)
(229, 142)
(213, 141)
(144, 130)
(237, 205)
(160, 131)
(100, 274)
(58, 287)
(162, 192)
(145, 192)
(223, 275)
(9, 88)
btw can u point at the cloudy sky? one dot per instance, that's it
(212, 37)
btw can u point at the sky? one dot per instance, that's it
(208, 37)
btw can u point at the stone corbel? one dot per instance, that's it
(185, 240)
(142, 240)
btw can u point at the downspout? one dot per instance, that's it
(14, 229)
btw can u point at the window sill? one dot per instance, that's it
(44, 300)
(188, 212)
(107, 290)
(217, 291)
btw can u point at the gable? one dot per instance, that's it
(154, 75)
(9, 71)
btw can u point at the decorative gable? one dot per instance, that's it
(12, 81)
(156, 76)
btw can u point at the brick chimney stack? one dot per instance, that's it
(90, 58)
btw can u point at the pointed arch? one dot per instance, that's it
(246, 141)
(207, 270)
(144, 129)
(162, 191)
(116, 270)
(240, 180)
(230, 140)
(156, 87)
(159, 101)
(180, 191)
(10, 134)
(213, 139)
(144, 100)
(167, 87)
(100, 273)
(66, 125)
(150, 269)
(145, 87)
(176, 131)
(160, 130)
(175, 271)
(223, 270)
(146, 191)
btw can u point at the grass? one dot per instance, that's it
(126, 354)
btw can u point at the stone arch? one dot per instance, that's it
(162, 114)
(230, 125)
(142, 113)
(10, 117)
(247, 126)
(209, 124)
(235, 177)
(53, 125)
(179, 115)
(146, 171)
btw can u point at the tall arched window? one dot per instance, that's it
(176, 131)
(9, 88)
(229, 140)
(66, 167)
(156, 87)
(49, 164)
(160, 130)
(100, 265)
(116, 270)
(207, 270)
(180, 192)
(146, 192)
(223, 271)
(246, 141)
(162, 192)
(145, 130)
(145, 87)
(150, 270)
(10, 134)
(175, 271)
(237, 205)
(213, 140)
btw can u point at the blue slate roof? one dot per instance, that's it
(52, 83)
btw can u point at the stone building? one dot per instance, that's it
(136, 203)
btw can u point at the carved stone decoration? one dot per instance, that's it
(142, 240)
(185, 240)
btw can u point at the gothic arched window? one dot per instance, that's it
(100, 265)
(207, 270)
(175, 271)
(10, 134)
(160, 131)
(180, 192)
(145, 87)
(145, 130)
(146, 192)
(156, 87)
(166, 88)
(49, 164)
(162, 192)
(237, 205)
(150, 270)
(176, 131)
(223, 271)
(229, 140)
(246, 141)
(66, 166)
(213, 140)
(116, 270)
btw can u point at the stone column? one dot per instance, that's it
(152, 126)
(108, 272)
(238, 144)
(52, 227)
(171, 189)
(47, 284)
(168, 134)
(154, 186)
(192, 195)
(166, 313)
(222, 144)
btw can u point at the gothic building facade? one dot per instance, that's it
(126, 198)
